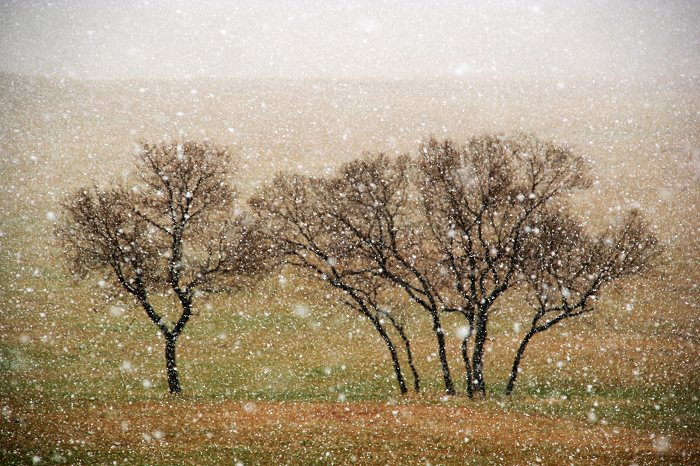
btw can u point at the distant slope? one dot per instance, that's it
(55, 135)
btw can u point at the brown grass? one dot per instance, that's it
(337, 433)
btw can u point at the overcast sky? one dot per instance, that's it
(344, 39)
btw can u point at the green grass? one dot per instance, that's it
(65, 348)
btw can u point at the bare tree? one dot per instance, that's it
(446, 228)
(478, 200)
(174, 231)
(301, 216)
(566, 269)
(373, 204)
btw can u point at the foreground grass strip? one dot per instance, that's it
(196, 432)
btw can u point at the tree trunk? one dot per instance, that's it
(440, 334)
(467, 365)
(394, 357)
(516, 361)
(479, 384)
(409, 356)
(170, 340)
(171, 364)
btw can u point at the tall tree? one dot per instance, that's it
(478, 201)
(173, 230)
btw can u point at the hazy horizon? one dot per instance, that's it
(389, 40)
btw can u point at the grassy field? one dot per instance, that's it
(82, 373)
(84, 382)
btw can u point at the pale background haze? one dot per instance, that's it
(340, 39)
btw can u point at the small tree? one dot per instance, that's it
(174, 231)
(302, 217)
(371, 207)
(566, 269)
